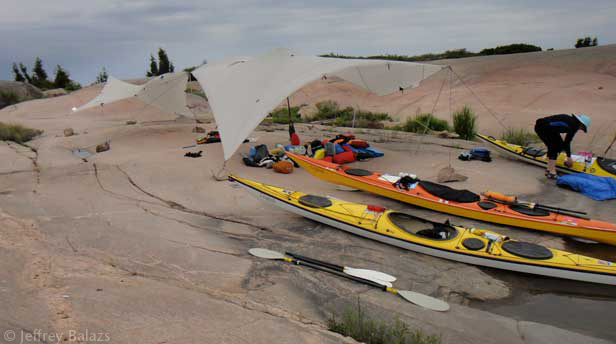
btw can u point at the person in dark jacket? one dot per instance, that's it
(549, 130)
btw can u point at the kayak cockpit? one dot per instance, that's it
(422, 228)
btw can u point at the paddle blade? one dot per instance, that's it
(424, 301)
(265, 253)
(369, 274)
(381, 282)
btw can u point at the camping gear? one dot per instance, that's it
(597, 166)
(366, 153)
(283, 166)
(344, 157)
(462, 202)
(467, 245)
(193, 154)
(479, 153)
(597, 188)
(410, 296)
(359, 143)
(293, 137)
(319, 154)
(242, 91)
(330, 149)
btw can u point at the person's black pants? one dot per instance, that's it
(551, 139)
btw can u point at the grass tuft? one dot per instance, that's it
(17, 133)
(9, 98)
(281, 115)
(520, 136)
(356, 324)
(329, 111)
(464, 123)
(423, 123)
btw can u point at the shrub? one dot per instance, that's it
(424, 122)
(281, 115)
(356, 324)
(464, 121)
(8, 98)
(17, 133)
(519, 136)
(329, 110)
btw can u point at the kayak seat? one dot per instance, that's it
(437, 233)
(534, 151)
(473, 244)
(486, 205)
(527, 250)
(609, 165)
(314, 201)
(450, 194)
(529, 211)
(417, 226)
(358, 172)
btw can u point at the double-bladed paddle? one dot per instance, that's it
(410, 296)
(372, 275)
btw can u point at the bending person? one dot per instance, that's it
(549, 130)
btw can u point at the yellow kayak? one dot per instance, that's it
(597, 166)
(468, 245)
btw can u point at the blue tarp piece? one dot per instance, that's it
(338, 148)
(373, 152)
(597, 188)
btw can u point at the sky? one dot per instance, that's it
(85, 35)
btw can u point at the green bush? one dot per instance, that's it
(8, 98)
(519, 136)
(329, 110)
(356, 324)
(17, 133)
(281, 115)
(423, 123)
(464, 121)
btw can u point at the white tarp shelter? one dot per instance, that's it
(242, 91)
(166, 92)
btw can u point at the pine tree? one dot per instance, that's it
(171, 67)
(579, 43)
(62, 79)
(586, 41)
(102, 76)
(18, 76)
(164, 65)
(40, 76)
(153, 67)
(594, 42)
(24, 72)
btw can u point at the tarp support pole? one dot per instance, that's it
(610, 146)
(289, 109)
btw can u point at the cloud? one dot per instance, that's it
(83, 36)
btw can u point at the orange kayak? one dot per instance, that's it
(462, 203)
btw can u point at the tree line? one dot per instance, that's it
(460, 53)
(39, 77)
(586, 42)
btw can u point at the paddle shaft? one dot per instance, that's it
(316, 261)
(610, 146)
(341, 274)
(548, 207)
(571, 213)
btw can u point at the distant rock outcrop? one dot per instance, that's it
(22, 90)
(56, 92)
